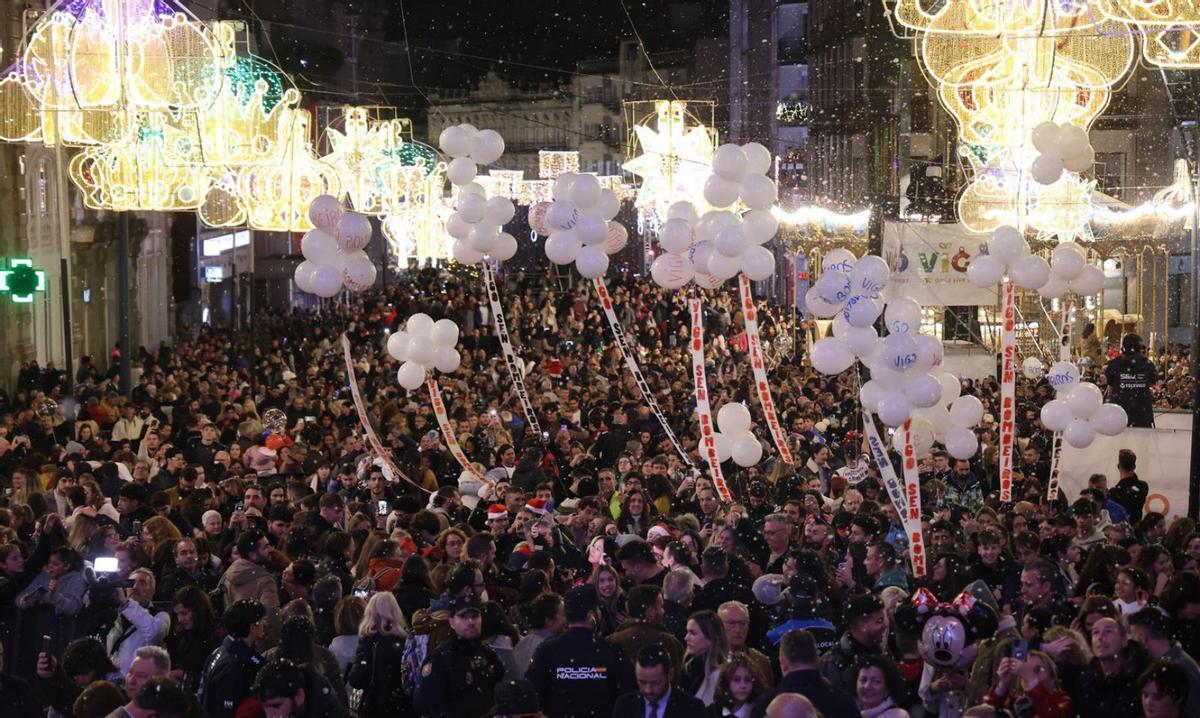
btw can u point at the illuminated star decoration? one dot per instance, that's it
(675, 159)
(355, 154)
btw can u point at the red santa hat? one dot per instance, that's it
(658, 531)
(496, 511)
(537, 506)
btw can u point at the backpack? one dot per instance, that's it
(369, 583)
(416, 649)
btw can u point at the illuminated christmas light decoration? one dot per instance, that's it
(278, 192)
(675, 159)
(551, 164)
(417, 229)
(793, 113)
(828, 220)
(137, 176)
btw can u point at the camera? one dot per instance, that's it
(104, 576)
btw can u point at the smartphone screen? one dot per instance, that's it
(383, 508)
(105, 564)
(360, 592)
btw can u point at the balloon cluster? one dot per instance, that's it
(1070, 272)
(424, 345)
(711, 248)
(580, 224)
(1078, 409)
(476, 221)
(333, 250)
(735, 439)
(1008, 253)
(726, 242)
(1062, 147)
(848, 287)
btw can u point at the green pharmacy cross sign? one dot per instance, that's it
(20, 280)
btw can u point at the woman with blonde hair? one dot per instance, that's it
(378, 661)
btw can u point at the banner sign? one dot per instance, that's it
(516, 372)
(929, 263)
(631, 362)
(758, 365)
(363, 419)
(912, 490)
(443, 419)
(708, 440)
(1008, 386)
(1064, 354)
(891, 484)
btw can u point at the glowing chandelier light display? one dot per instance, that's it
(676, 158)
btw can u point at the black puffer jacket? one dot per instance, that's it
(228, 677)
(376, 671)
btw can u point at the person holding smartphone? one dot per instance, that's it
(1027, 685)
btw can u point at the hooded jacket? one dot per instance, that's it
(247, 580)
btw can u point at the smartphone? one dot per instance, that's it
(46, 645)
(309, 419)
(361, 592)
(105, 564)
(137, 530)
(239, 507)
(383, 508)
(1020, 650)
(545, 436)
(562, 427)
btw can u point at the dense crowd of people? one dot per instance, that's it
(225, 541)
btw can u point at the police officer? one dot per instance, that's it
(459, 676)
(574, 672)
(1130, 377)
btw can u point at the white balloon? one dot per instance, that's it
(1067, 260)
(902, 316)
(499, 211)
(671, 271)
(683, 210)
(444, 333)
(758, 263)
(537, 218)
(563, 247)
(759, 191)
(608, 206)
(457, 227)
(1063, 376)
(585, 191)
(483, 238)
(325, 211)
(730, 241)
(939, 417)
(1090, 281)
(1033, 368)
(447, 360)
(707, 281)
(830, 356)
(840, 259)
(472, 208)
(929, 353)
(464, 253)
(326, 281)
(505, 249)
(720, 192)
(861, 310)
(455, 142)
(592, 228)
(1046, 169)
(472, 188)
(861, 341)
(1079, 434)
(411, 375)
(729, 161)
(724, 446)
(818, 307)
(1110, 420)
(733, 418)
(760, 225)
(470, 129)
(888, 378)
(1056, 415)
(724, 267)
(894, 408)
(951, 388)
(1054, 288)
(898, 352)
(561, 216)
(460, 171)
(1081, 162)
(923, 390)
(961, 443)
(870, 393)
(397, 345)
(758, 158)
(591, 262)
(921, 432)
(1085, 400)
(1046, 138)
(419, 324)
(358, 272)
(421, 350)
(1072, 141)
(561, 189)
(985, 270)
(869, 276)
(699, 254)
(966, 411)
(615, 238)
(1007, 244)
(834, 287)
(1030, 272)
(746, 450)
(319, 247)
(487, 146)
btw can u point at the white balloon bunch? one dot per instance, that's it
(1070, 272)
(726, 242)
(476, 221)
(1078, 409)
(1062, 147)
(849, 287)
(580, 225)
(735, 440)
(333, 250)
(1008, 253)
(714, 247)
(469, 147)
(424, 345)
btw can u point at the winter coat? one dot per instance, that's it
(375, 671)
(228, 677)
(247, 580)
